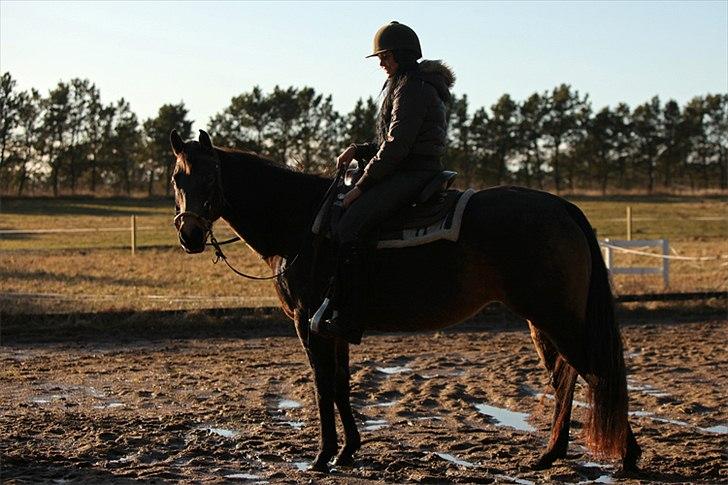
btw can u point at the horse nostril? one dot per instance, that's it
(192, 238)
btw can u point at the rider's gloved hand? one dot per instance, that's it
(346, 157)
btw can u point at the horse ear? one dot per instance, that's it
(205, 140)
(177, 144)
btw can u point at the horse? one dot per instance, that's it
(531, 250)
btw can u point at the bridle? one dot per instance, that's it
(206, 224)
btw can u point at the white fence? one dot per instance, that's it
(610, 245)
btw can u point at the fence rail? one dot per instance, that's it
(80, 230)
(610, 245)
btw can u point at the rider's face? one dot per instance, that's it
(386, 60)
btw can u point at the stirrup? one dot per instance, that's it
(314, 323)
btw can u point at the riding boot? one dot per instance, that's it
(350, 288)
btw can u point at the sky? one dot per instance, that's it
(204, 53)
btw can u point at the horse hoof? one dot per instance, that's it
(319, 467)
(345, 461)
(628, 470)
(543, 462)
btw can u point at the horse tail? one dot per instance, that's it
(607, 426)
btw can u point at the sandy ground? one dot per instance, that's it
(162, 406)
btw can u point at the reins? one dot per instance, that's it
(220, 255)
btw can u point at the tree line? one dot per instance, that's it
(69, 142)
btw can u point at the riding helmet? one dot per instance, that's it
(395, 36)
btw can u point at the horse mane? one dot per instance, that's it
(270, 173)
(251, 156)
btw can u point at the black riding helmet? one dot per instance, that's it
(396, 36)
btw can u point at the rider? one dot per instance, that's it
(411, 137)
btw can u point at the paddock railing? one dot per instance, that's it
(611, 245)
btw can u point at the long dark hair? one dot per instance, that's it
(407, 63)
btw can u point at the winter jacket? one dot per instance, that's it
(418, 128)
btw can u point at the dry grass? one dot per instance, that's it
(95, 271)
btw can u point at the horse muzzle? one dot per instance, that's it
(192, 237)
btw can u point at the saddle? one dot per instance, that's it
(435, 214)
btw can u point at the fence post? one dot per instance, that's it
(608, 258)
(665, 263)
(629, 223)
(133, 234)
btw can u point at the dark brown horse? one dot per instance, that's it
(531, 250)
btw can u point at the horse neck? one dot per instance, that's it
(269, 206)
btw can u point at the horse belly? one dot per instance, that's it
(423, 288)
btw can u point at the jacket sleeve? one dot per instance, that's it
(408, 112)
(365, 151)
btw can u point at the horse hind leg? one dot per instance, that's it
(601, 365)
(563, 380)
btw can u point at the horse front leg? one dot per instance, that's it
(352, 440)
(322, 358)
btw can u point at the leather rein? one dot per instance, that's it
(207, 225)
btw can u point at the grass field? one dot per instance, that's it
(88, 271)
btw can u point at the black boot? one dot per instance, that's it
(349, 289)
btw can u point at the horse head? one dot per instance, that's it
(197, 190)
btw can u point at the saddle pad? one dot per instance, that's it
(447, 228)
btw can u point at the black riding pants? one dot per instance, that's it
(381, 201)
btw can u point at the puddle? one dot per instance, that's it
(429, 418)
(394, 370)
(375, 424)
(245, 476)
(301, 465)
(41, 401)
(640, 413)
(454, 459)
(384, 404)
(717, 429)
(226, 433)
(456, 373)
(289, 404)
(124, 459)
(592, 464)
(294, 424)
(720, 429)
(520, 481)
(646, 389)
(601, 479)
(110, 405)
(671, 421)
(506, 417)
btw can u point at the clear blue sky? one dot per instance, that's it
(204, 53)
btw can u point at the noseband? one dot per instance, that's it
(206, 224)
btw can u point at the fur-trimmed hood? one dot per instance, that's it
(439, 75)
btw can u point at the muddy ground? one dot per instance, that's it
(206, 399)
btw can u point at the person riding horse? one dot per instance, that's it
(411, 138)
